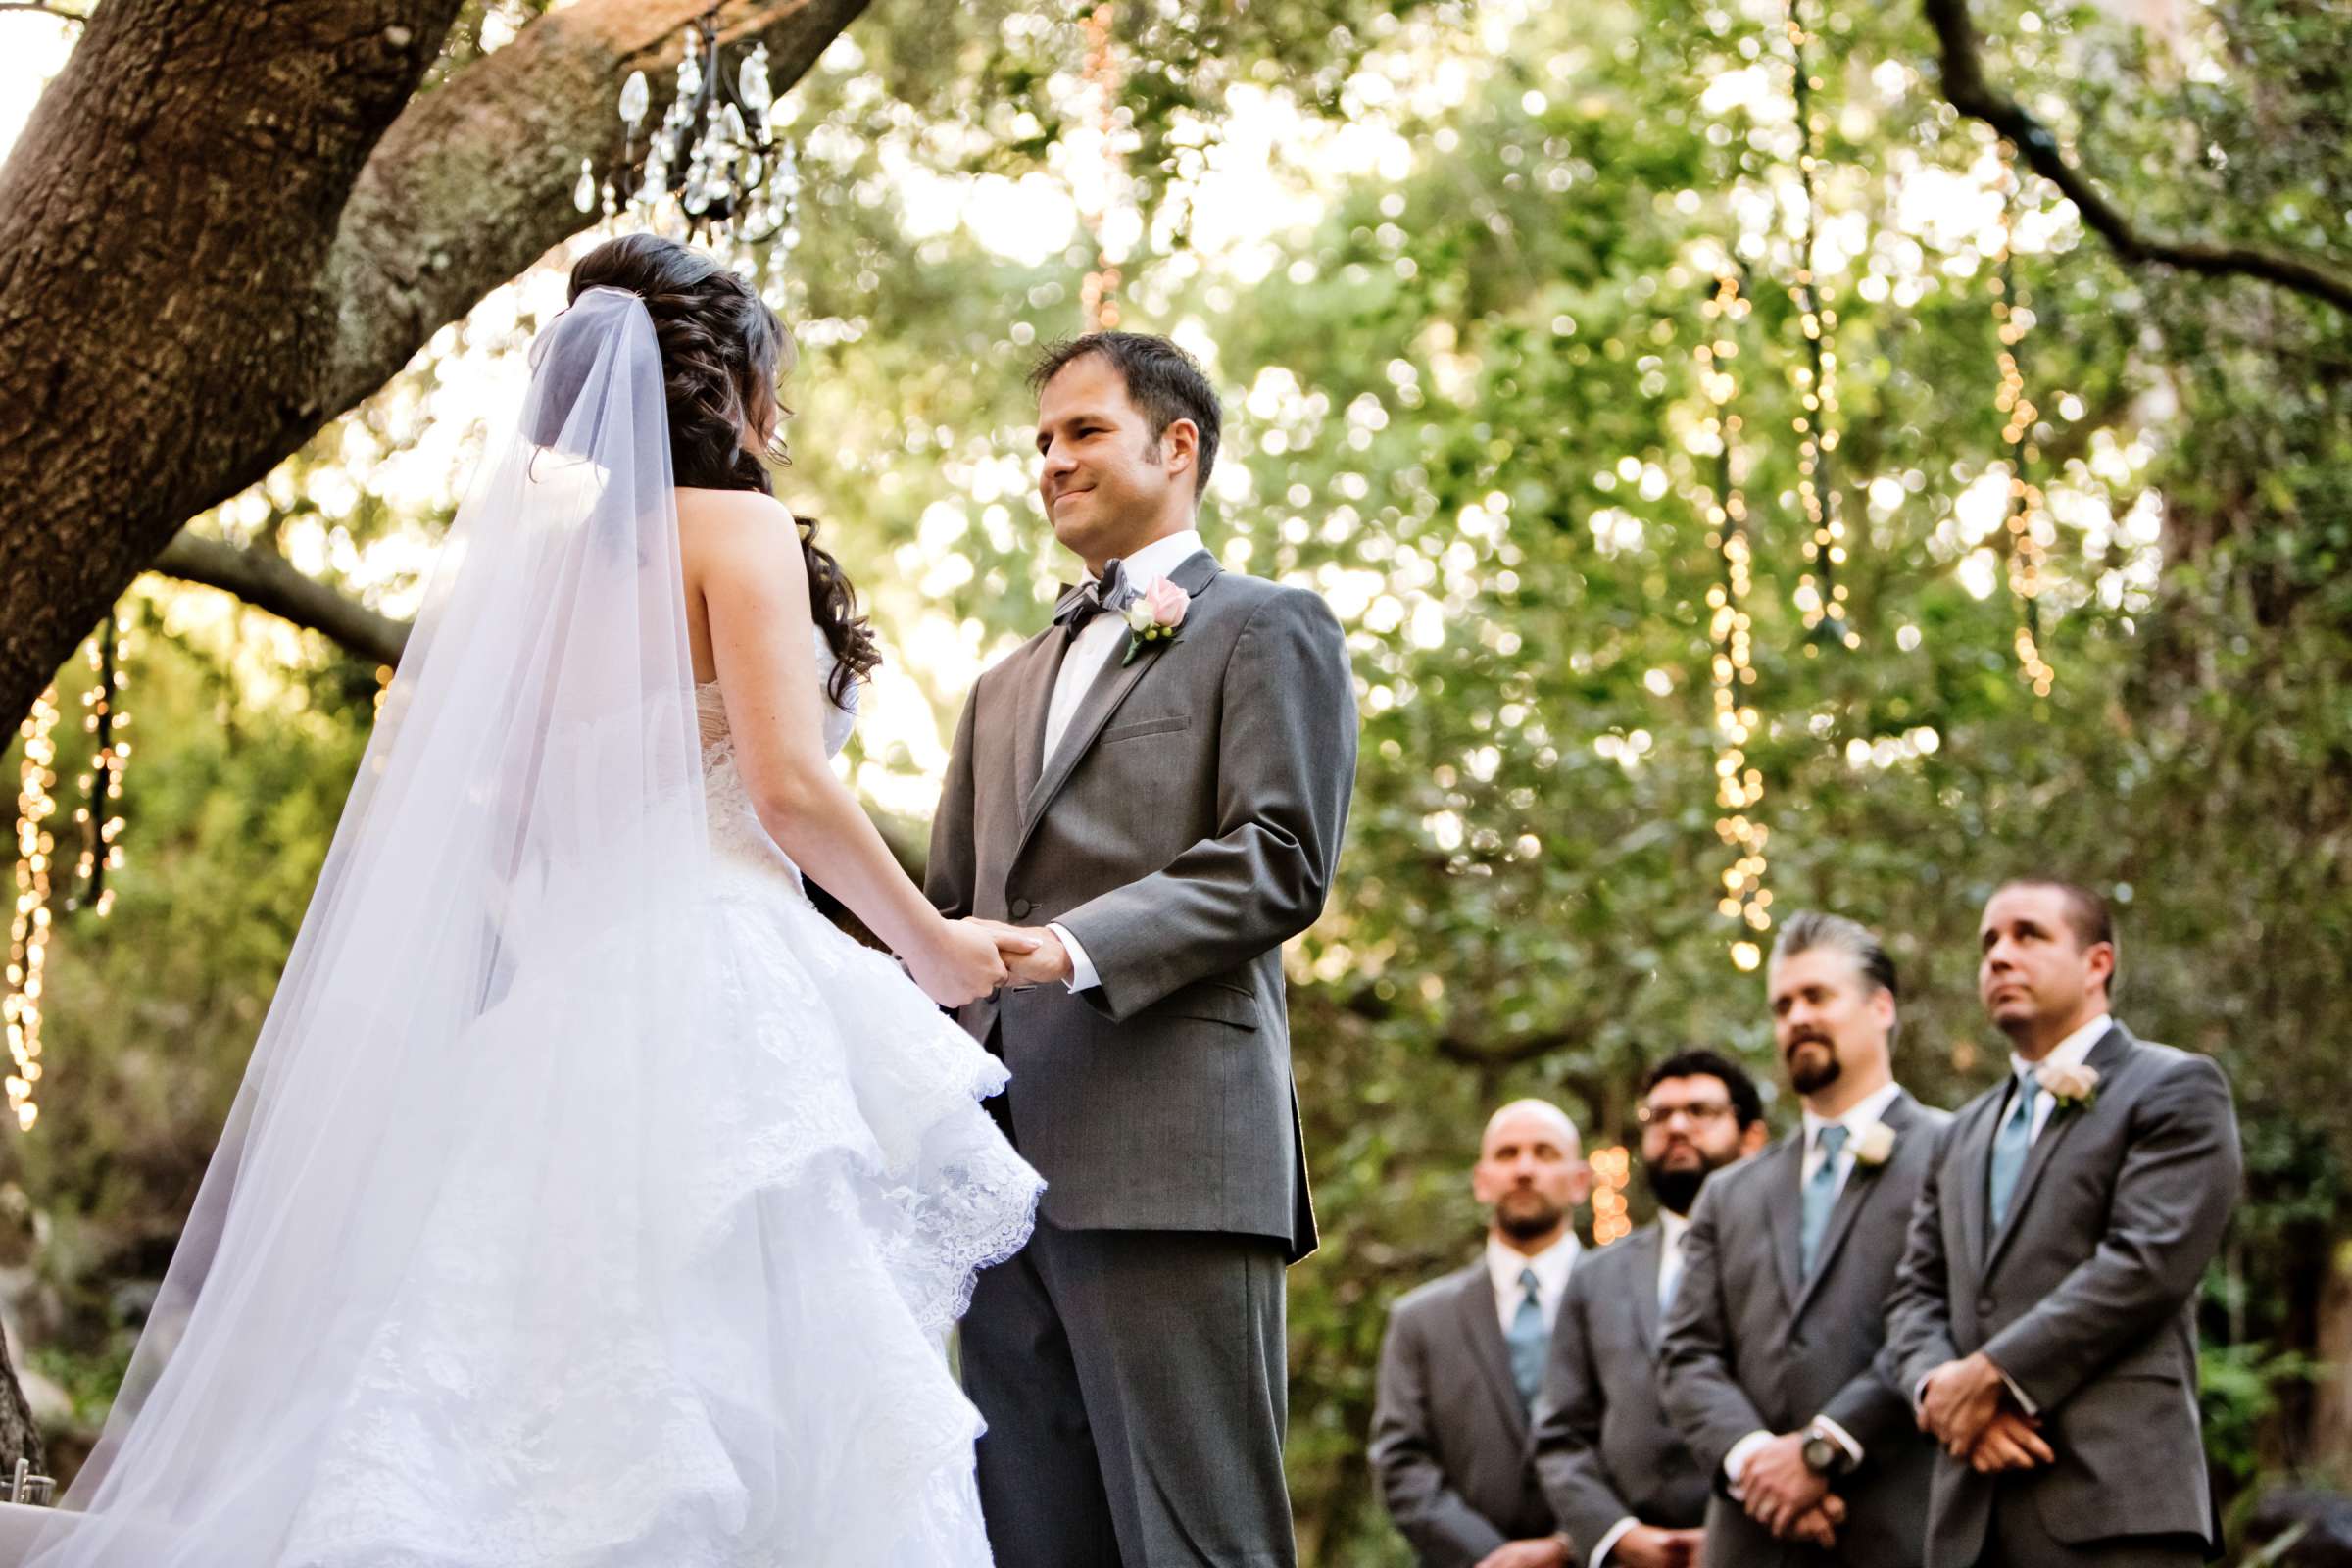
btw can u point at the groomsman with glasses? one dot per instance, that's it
(1625, 1491)
(2046, 1314)
(1464, 1356)
(1770, 1350)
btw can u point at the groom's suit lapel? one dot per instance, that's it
(1102, 700)
(1035, 696)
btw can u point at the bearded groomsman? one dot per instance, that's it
(1770, 1348)
(1623, 1488)
(2046, 1316)
(1465, 1356)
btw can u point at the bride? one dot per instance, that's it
(590, 1200)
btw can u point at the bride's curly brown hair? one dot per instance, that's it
(723, 353)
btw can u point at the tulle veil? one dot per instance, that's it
(530, 807)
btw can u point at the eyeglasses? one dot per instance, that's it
(1698, 1112)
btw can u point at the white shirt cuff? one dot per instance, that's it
(1735, 1464)
(1608, 1542)
(1842, 1438)
(1082, 967)
(2023, 1402)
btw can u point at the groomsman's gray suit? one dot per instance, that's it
(2085, 1298)
(1604, 1451)
(1450, 1438)
(1130, 1361)
(1754, 1344)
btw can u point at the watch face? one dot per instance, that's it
(1820, 1454)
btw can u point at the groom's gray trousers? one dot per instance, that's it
(1134, 1388)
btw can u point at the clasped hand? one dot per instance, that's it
(970, 958)
(1788, 1496)
(1964, 1405)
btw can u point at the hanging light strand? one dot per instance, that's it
(1819, 596)
(1739, 784)
(28, 925)
(1613, 1173)
(104, 717)
(2012, 320)
(1098, 295)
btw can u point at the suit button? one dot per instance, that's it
(1021, 909)
(1983, 1307)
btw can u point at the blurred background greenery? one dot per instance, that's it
(1451, 264)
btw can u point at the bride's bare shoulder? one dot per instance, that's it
(735, 526)
(725, 511)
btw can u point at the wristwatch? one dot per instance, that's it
(1821, 1452)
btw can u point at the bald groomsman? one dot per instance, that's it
(1625, 1488)
(2046, 1316)
(1464, 1358)
(1770, 1347)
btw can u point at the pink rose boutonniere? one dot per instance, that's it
(2073, 1087)
(1153, 617)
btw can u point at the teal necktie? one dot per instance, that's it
(1821, 1196)
(2010, 1146)
(1526, 1341)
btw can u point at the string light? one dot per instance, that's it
(1739, 784)
(104, 718)
(2012, 320)
(1819, 596)
(29, 926)
(1098, 296)
(1612, 1169)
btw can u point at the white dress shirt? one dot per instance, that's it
(1672, 1228)
(1552, 1266)
(1871, 1108)
(1082, 664)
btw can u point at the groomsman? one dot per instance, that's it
(1464, 1356)
(1623, 1488)
(2046, 1316)
(1768, 1365)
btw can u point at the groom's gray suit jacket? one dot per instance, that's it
(1754, 1344)
(1184, 829)
(2084, 1297)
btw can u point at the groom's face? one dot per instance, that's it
(1108, 485)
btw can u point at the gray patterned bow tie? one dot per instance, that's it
(1085, 602)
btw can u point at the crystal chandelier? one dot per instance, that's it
(714, 169)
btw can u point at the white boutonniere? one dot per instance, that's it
(1153, 617)
(2071, 1085)
(1874, 1145)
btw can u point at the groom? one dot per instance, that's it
(1153, 789)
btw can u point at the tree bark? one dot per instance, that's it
(229, 224)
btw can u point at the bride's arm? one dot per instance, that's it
(755, 589)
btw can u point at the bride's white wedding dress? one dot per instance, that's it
(555, 1385)
(590, 1200)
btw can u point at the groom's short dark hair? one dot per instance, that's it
(1163, 380)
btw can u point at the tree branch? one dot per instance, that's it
(265, 579)
(46, 9)
(473, 182)
(1965, 87)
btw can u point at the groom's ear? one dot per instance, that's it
(1180, 447)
